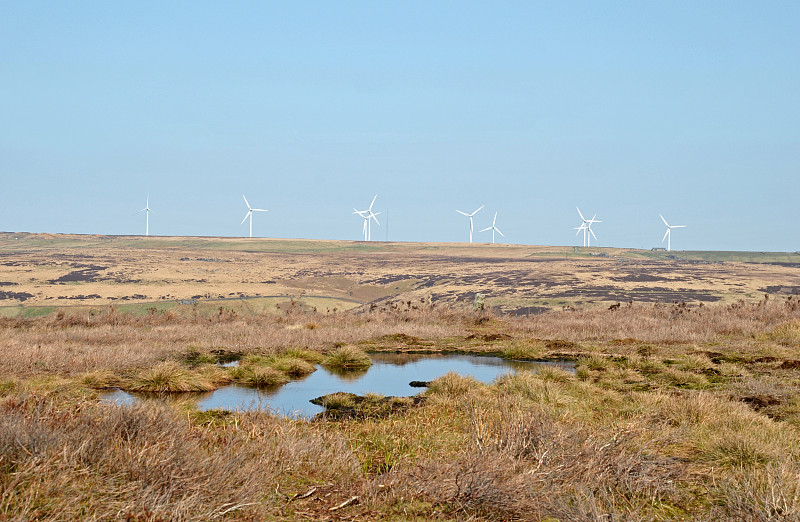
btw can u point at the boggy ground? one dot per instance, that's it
(675, 412)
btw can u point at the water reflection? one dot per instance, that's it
(388, 375)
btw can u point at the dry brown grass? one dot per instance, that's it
(628, 436)
(146, 463)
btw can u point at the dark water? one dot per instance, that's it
(388, 375)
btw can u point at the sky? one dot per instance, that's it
(627, 110)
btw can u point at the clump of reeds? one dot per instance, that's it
(347, 358)
(169, 377)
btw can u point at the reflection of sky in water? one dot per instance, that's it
(389, 375)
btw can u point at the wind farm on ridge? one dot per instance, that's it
(368, 216)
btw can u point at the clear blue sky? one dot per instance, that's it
(626, 109)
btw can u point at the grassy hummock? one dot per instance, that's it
(347, 358)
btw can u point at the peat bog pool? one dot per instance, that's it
(389, 375)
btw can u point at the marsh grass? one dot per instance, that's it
(169, 377)
(347, 358)
(102, 379)
(258, 376)
(523, 350)
(292, 366)
(629, 435)
(452, 385)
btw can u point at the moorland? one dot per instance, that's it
(684, 402)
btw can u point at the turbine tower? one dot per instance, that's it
(249, 214)
(586, 225)
(368, 216)
(470, 220)
(493, 228)
(146, 210)
(668, 235)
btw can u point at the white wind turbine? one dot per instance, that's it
(146, 210)
(586, 225)
(470, 220)
(493, 228)
(368, 216)
(668, 235)
(249, 214)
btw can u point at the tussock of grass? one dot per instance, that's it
(347, 358)
(259, 376)
(306, 355)
(786, 333)
(292, 366)
(453, 385)
(169, 377)
(8, 386)
(214, 374)
(102, 379)
(523, 350)
(553, 374)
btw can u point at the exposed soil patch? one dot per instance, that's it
(489, 337)
(560, 344)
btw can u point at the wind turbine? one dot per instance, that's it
(249, 214)
(146, 210)
(493, 228)
(668, 235)
(586, 225)
(470, 220)
(368, 216)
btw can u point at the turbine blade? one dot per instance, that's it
(498, 231)
(478, 210)
(495, 219)
(246, 203)
(579, 213)
(464, 213)
(665, 236)
(259, 210)
(245, 218)
(373, 201)
(592, 232)
(664, 220)
(678, 226)
(485, 229)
